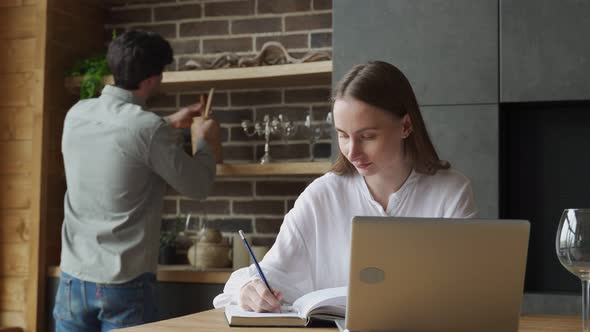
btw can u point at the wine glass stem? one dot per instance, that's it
(586, 305)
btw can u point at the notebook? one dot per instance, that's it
(423, 274)
(327, 303)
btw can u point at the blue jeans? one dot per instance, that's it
(88, 306)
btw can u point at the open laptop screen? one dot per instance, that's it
(410, 274)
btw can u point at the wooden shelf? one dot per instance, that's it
(278, 168)
(176, 273)
(311, 73)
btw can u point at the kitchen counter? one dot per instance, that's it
(177, 273)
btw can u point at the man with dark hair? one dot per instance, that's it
(118, 158)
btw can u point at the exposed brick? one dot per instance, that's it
(162, 101)
(263, 97)
(108, 33)
(185, 46)
(204, 28)
(219, 99)
(268, 225)
(232, 116)
(320, 112)
(231, 188)
(282, 151)
(257, 25)
(292, 113)
(171, 225)
(165, 30)
(170, 13)
(231, 225)
(308, 22)
(322, 150)
(282, 6)
(290, 204)
(259, 207)
(172, 66)
(280, 188)
(170, 206)
(238, 153)
(321, 130)
(288, 41)
(242, 44)
(315, 95)
(322, 4)
(130, 16)
(230, 8)
(237, 134)
(263, 241)
(224, 135)
(206, 207)
(322, 39)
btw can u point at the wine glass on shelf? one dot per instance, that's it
(191, 231)
(572, 244)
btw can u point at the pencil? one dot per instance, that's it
(260, 273)
(208, 107)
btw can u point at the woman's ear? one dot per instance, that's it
(406, 126)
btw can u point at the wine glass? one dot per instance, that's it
(191, 231)
(572, 244)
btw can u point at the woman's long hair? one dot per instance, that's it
(382, 85)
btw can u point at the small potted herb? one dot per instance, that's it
(92, 70)
(167, 248)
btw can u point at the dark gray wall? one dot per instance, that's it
(545, 50)
(463, 59)
(466, 135)
(448, 49)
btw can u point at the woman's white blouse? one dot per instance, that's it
(312, 248)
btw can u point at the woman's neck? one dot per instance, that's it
(384, 184)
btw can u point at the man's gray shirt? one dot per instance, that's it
(118, 158)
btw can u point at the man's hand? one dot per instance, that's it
(255, 296)
(184, 117)
(208, 130)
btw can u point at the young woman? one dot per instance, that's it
(387, 167)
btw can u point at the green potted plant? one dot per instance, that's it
(92, 70)
(167, 252)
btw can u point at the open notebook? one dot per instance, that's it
(329, 303)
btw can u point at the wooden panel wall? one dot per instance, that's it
(75, 30)
(19, 86)
(40, 40)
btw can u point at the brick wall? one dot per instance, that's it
(204, 29)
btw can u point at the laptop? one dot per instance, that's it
(426, 274)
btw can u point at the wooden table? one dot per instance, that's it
(214, 321)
